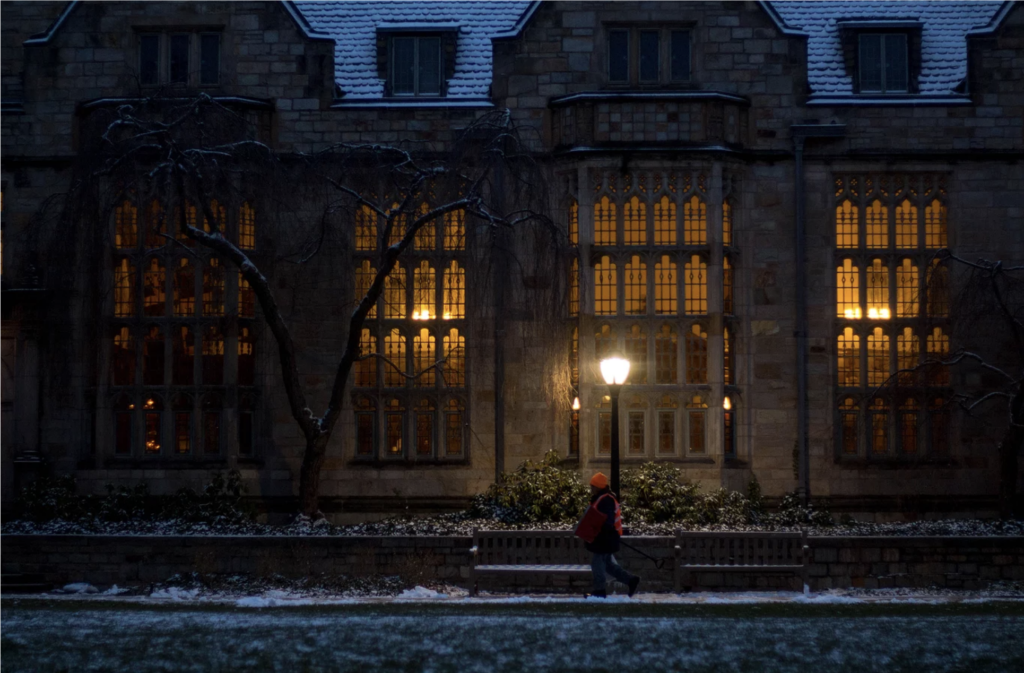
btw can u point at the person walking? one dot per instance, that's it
(601, 530)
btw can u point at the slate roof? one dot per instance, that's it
(944, 29)
(353, 26)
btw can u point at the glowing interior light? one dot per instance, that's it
(727, 404)
(884, 314)
(576, 404)
(615, 370)
(851, 313)
(873, 313)
(447, 315)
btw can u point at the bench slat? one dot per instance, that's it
(535, 568)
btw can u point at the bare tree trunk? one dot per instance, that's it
(309, 475)
(1009, 450)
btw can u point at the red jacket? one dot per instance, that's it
(604, 504)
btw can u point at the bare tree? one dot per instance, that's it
(188, 152)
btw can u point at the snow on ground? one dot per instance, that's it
(524, 635)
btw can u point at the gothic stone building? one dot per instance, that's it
(755, 191)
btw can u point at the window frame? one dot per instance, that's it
(883, 61)
(665, 51)
(416, 53)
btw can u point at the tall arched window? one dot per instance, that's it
(878, 357)
(847, 225)
(455, 230)
(696, 417)
(126, 225)
(182, 409)
(938, 351)
(695, 275)
(604, 342)
(727, 357)
(604, 222)
(154, 296)
(878, 412)
(366, 228)
(426, 236)
(246, 298)
(938, 290)
(907, 294)
(666, 355)
(696, 355)
(124, 289)
(247, 227)
(155, 225)
(636, 353)
(394, 293)
(394, 351)
(636, 421)
(123, 358)
(935, 235)
(366, 426)
(574, 223)
(726, 286)
(908, 353)
(152, 411)
(153, 357)
(455, 359)
(877, 225)
(664, 222)
(183, 356)
(848, 424)
(124, 426)
(213, 356)
(221, 215)
(425, 355)
(454, 412)
(574, 288)
(906, 225)
(848, 352)
(574, 359)
(878, 291)
(908, 421)
(695, 222)
(394, 427)
(213, 288)
(726, 223)
(636, 286)
(184, 289)
(666, 289)
(366, 367)
(424, 303)
(635, 222)
(212, 410)
(848, 291)
(365, 273)
(667, 407)
(246, 356)
(605, 287)
(425, 413)
(454, 292)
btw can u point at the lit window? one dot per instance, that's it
(878, 357)
(182, 424)
(604, 222)
(394, 351)
(727, 357)
(366, 426)
(726, 224)
(455, 359)
(848, 424)
(906, 290)
(574, 359)
(213, 356)
(847, 225)
(666, 355)
(664, 222)
(848, 291)
(696, 355)
(394, 293)
(220, 214)
(426, 235)
(906, 225)
(937, 345)
(695, 222)
(246, 357)
(154, 297)
(935, 226)
(908, 415)
(366, 366)
(729, 428)
(124, 289)
(155, 225)
(878, 412)
(453, 427)
(574, 288)
(604, 342)
(635, 431)
(849, 358)
(424, 357)
(416, 66)
(696, 286)
(183, 356)
(246, 298)
(938, 290)
(636, 286)
(153, 358)
(126, 225)
(151, 416)
(394, 422)
(604, 429)
(246, 227)
(424, 292)
(696, 416)
(667, 425)
(605, 288)
(574, 223)
(455, 230)
(635, 222)
(454, 292)
(726, 286)
(666, 300)
(184, 289)
(877, 225)
(636, 353)
(213, 288)
(908, 355)
(878, 291)
(883, 62)
(123, 358)
(425, 413)
(366, 228)
(365, 274)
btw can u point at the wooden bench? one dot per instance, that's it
(760, 553)
(537, 552)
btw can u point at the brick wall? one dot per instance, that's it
(837, 562)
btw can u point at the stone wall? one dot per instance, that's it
(837, 562)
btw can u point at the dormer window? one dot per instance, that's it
(171, 58)
(648, 56)
(416, 66)
(882, 63)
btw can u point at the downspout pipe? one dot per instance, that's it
(800, 134)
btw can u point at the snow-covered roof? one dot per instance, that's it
(944, 30)
(354, 25)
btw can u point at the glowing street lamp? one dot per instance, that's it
(615, 371)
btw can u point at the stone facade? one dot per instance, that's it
(724, 136)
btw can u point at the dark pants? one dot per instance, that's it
(603, 565)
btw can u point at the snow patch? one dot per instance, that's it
(419, 593)
(175, 594)
(80, 588)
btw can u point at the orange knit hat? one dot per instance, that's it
(599, 481)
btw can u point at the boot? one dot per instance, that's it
(633, 584)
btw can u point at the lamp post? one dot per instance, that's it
(615, 369)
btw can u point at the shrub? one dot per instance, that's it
(222, 501)
(654, 493)
(51, 498)
(124, 503)
(535, 493)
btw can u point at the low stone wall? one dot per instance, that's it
(837, 562)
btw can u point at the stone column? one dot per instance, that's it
(588, 417)
(716, 367)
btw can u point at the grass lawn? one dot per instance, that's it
(90, 635)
